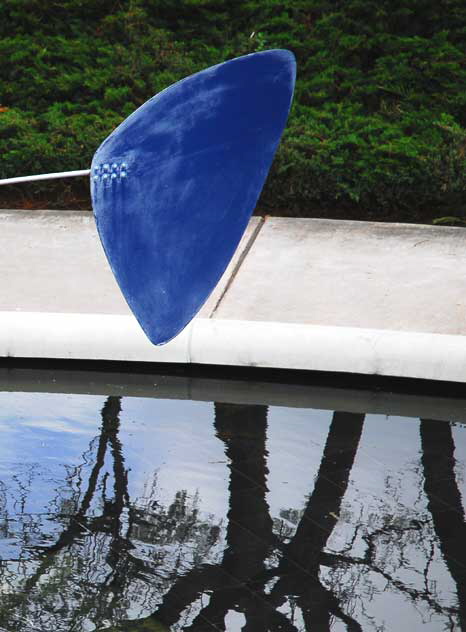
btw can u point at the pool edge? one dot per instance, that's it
(278, 345)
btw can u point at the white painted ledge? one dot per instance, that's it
(335, 349)
(237, 343)
(83, 337)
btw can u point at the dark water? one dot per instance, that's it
(135, 513)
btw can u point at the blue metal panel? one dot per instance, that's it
(173, 187)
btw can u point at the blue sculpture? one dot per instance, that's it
(174, 186)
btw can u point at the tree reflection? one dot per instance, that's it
(239, 582)
(296, 580)
(300, 565)
(444, 501)
(137, 564)
(93, 571)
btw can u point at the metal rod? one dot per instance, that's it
(46, 176)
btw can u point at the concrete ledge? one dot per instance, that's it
(237, 343)
(306, 294)
(84, 337)
(333, 349)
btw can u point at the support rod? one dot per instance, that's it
(46, 176)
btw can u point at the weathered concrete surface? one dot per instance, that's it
(215, 299)
(310, 294)
(353, 274)
(53, 262)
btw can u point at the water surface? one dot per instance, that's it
(134, 513)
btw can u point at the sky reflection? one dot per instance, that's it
(136, 513)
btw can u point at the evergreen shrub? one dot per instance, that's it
(377, 129)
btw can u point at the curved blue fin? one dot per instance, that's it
(174, 186)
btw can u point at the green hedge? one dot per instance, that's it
(378, 126)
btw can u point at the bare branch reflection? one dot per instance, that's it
(104, 560)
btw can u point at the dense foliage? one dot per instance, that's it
(377, 130)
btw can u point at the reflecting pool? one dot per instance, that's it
(148, 508)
